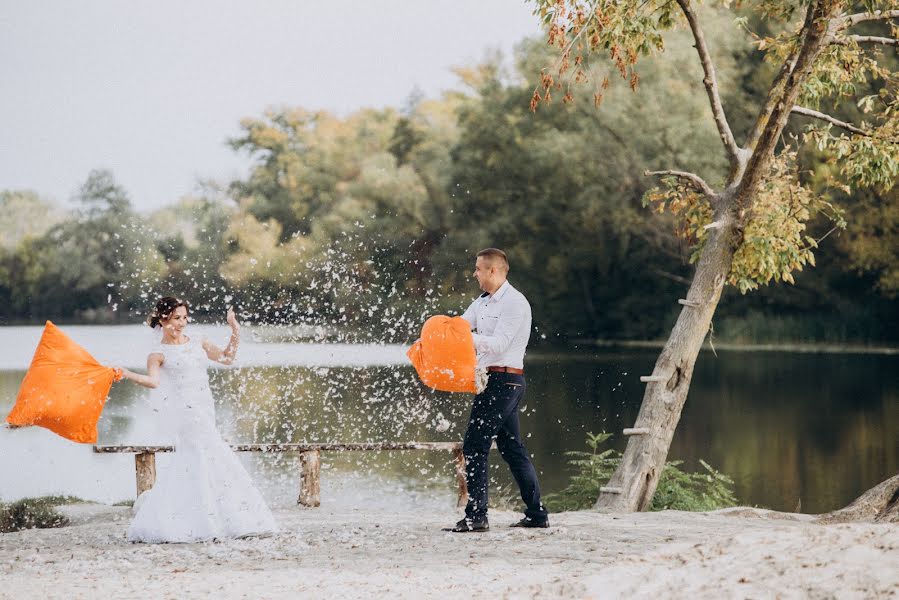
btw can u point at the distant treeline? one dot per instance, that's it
(370, 222)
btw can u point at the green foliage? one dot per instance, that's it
(592, 470)
(385, 208)
(33, 513)
(774, 221)
(775, 241)
(810, 326)
(69, 268)
(23, 216)
(872, 240)
(362, 199)
(677, 490)
(622, 30)
(701, 491)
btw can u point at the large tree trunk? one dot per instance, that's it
(634, 482)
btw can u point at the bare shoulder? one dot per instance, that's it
(156, 358)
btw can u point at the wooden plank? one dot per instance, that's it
(310, 478)
(636, 431)
(688, 302)
(347, 447)
(145, 471)
(310, 461)
(132, 449)
(299, 447)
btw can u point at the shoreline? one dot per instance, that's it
(359, 553)
(793, 348)
(268, 335)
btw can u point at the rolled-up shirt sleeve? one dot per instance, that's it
(509, 323)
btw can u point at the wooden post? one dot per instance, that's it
(461, 479)
(310, 478)
(145, 471)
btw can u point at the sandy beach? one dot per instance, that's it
(339, 553)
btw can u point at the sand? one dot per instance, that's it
(340, 553)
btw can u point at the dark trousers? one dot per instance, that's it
(494, 416)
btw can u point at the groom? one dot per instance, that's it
(501, 317)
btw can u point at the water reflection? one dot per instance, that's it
(788, 428)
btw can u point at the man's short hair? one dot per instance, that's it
(495, 256)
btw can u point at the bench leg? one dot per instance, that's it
(145, 471)
(310, 478)
(461, 480)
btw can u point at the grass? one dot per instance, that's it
(34, 513)
(756, 327)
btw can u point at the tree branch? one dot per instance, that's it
(862, 39)
(877, 15)
(813, 38)
(777, 88)
(711, 83)
(698, 182)
(807, 112)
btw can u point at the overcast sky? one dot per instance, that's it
(151, 90)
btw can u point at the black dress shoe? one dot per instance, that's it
(532, 523)
(470, 526)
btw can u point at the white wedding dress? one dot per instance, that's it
(202, 492)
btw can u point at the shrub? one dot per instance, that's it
(677, 490)
(33, 513)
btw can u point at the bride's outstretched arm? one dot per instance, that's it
(226, 356)
(151, 379)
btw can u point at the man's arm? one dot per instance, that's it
(510, 321)
(471, 315)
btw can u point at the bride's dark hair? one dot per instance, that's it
(164, 309)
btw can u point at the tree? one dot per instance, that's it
(359, 200)
(24, 218)
(573, 223)
(79, 264)
(748, 226)
(190, 237)
(24, 214)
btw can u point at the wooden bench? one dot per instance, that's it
(310, 462)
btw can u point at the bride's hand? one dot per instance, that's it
(232, 320)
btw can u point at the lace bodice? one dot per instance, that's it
(183, 397)
(185, 365)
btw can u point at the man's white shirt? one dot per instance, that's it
(502, 322)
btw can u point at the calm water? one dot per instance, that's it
(787, 428)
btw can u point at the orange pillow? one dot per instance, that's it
(444, 356)
(64, 389)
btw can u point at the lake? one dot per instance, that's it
(807, 430)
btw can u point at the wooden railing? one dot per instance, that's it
(310, 462)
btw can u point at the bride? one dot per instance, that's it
(204, 493)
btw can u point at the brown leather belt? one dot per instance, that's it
(506, 370)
